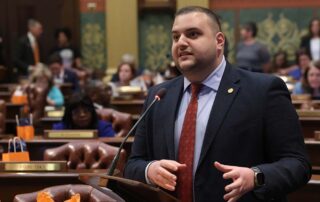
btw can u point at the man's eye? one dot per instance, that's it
(193, 35)
(175, 37)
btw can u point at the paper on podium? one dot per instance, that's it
(129, 190)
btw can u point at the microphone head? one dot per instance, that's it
(161, 93)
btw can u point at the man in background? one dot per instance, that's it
(62, 75)
(28, 50)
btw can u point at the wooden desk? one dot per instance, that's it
(308, 193)
(8, 87)
(6, 96)
(309, 126)
(47, 122)
(37, 146)
(298, 103)
(133, 107)
(12, 184)
(313, 150)
(13, 110)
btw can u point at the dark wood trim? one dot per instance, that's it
(241, 4)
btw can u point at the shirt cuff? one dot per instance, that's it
(146, 173)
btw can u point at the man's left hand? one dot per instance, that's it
(243, 180)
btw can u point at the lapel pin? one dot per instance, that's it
(230, 90)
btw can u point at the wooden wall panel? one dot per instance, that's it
(52, 14)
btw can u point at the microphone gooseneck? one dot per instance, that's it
(160, 94)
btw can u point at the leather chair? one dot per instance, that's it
(64, 192)
(121, 122)
(86, 155)
(37, 98)
(2, 116)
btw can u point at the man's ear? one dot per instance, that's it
(220, 39)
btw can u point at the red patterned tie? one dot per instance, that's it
(186, 147)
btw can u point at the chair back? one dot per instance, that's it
(86, 155)
(121, 122)
(65, 192)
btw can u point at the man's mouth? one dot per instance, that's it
(185, 53)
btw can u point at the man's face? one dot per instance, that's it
(36, 30)
(194, 45)
(55, 68)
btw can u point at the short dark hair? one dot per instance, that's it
(251, 26)
(76, 100)
(64, 30)
(212, 15)
(54, 58)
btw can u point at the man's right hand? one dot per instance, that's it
(163, 173)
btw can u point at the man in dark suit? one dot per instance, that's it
(28, 50)
(62, 75)
(219, 134)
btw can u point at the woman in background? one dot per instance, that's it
(310, 83)
(81, 114)
(280, 63)
(311, 42)
(42, 78)
(302, 64)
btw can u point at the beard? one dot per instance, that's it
(196, 70)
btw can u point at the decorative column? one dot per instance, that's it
(183, 3)
(93, 33)
(122, 31)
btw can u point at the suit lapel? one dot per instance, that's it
(227, 91)
(168, 109)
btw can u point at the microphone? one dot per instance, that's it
(160, 94)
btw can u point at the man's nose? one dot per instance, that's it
(182, 41)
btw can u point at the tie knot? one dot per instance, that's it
(195, 89)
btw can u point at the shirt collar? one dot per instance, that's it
(213, 80)
(31, 38)
(61, 75)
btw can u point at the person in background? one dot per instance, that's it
(28, 50)
(80, 114)
(302, 63)
(310, 83)
(42, 78)
(126, 73)
(70, 55)
(125, 58)
(62, 75)
(250, 54)
(280, 63)
(311, 42)
(99, 93)
(172, 71)
(220, 133)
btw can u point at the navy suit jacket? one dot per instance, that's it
(23, 56)
(71, 77)
(255, 125)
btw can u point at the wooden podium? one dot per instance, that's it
(129, 190)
